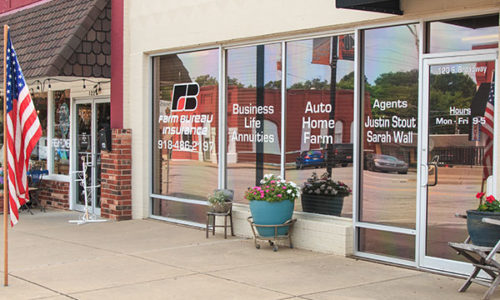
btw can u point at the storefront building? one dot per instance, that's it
(64, 49)
(392, 103)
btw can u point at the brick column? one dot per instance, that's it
(116, 177)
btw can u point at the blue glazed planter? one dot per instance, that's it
(271, 213)
(482, 234)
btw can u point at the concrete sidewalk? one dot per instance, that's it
(148, 259)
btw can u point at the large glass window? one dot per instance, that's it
(40, 152)
(320, 97)
(185, 128)
(253, 115)
(479, 32)
(61, 135)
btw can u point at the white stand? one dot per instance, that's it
(87, 217)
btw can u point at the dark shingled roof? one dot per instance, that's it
(47, 36)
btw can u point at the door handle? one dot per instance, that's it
(435, 174)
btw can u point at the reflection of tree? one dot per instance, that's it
(314, 84)
(231, 81)
(204, 80)
(393, 87)
(347, 82)
(273, 85)
(449, 90)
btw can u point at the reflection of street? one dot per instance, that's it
(388, 198)
(454, 193)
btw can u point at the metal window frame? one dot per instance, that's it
(358, 107)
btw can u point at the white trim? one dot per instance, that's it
(357, 146)
(453, 55)
(387, 228)
(418, 213)
(425, 261)
(283, 109)
(178, 221)
(176, 199)
(388, 259)
(222, 120)
(496, 132)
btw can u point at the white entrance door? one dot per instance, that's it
(90, 117)
(452, 156)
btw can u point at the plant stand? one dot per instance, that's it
(272, 240)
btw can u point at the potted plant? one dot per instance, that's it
(272, 203)
(219, 202)
(483, 234)
(322, 195)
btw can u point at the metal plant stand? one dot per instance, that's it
(88, 215)
(272, 240)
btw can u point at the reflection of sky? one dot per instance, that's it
(201, 63)
(300, 68)
(390, 49)
(242, 64)
(448, 37)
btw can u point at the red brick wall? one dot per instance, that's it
(54, 194)
(116, 177)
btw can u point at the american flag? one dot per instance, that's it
(487, 128)
(23, 132)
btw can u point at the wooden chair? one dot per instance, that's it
(483, 259)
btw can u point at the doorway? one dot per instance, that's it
(456, 153)
(91, 117)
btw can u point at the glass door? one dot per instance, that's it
(92, 117)
(456, 153)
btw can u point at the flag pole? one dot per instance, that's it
(5, 186)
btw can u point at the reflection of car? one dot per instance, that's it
(385, 163)
(312, 158)
(342, 154)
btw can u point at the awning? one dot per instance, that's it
(62, 38)
(383, 6)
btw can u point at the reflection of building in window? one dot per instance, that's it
(338, 132)
(270, 129)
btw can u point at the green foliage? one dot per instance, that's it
(324, 185)
(204, 80)
(315, 84)
(217, 198)
(234, 82)
(450, 90)
(490, 203)
(273, 188)
(392, 87)
(273, 85)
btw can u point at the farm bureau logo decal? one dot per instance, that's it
(184, 96)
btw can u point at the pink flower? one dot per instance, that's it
(255, 193)
(273, 181)
(479, 195)
(261, 196)
(490, 199)
(279, 195)
(267, 191)
(284, 187)
(267, 186)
